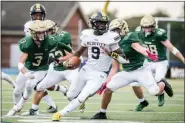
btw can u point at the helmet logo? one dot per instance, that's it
(38, 7)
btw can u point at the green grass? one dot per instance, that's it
(121, 108)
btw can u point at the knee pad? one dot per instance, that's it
(154, 90)
(137, 84)
(17, 91)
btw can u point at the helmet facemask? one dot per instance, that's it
(37, 9)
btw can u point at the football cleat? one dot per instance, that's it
(168, 89)
(142, 105)
(56, 116)
(99, 115)
(161, 100)
(82, 108)
(52, 109)
(13, 111)
(31, 112)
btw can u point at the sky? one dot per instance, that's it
(128, 9)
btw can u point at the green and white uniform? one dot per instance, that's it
(154, 44)
(133, 71)
(36, 63)
(59, 72)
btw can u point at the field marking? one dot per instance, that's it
(99, 98)
(111, 111)
(80, 121)
(94, 103)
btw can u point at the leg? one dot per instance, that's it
(139, 93)
(91, 87)
(8, 79)
(115, 83)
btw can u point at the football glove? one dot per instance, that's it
(99, 92)
(29, 75)
(153, 57)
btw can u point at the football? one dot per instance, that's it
(74, 62)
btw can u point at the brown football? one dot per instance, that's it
(75, 62)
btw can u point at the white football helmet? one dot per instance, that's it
(119, 24)
(148, 21)
(51, 26)
(38, 30)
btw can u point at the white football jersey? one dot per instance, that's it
(97, 58)
(26, 28)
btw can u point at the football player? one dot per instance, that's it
(155, 39)
(38, 12)
(56, 73)
(7, 78)
(33, 63)
(133, 71)
(93, 74)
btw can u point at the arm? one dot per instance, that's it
(144, 51)
(173, 49)
(113, 71)
(80, 51)
(22, 68)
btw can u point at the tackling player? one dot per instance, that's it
(133, 71)
(33, 63)
(155, 40)
(93, 74)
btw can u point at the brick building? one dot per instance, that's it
(68, 16)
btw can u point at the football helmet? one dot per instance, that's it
(38, 30)
(148, 21)
(119, 24)
(51, 26)
(148, 24)
(99, 23)
(37, 8)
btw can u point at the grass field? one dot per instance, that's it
(120, 110)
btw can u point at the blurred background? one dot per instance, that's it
(73, 17)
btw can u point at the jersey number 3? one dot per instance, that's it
(38, 60)
(96, 52)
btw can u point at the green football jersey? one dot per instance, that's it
(136, 59)
(153, 43)
(37, 55)
(63, 37)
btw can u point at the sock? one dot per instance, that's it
(35, 106)
(103, 110)
(16, 98)
(49, 101)
(60, 88)
(70, 107)
(141, 100)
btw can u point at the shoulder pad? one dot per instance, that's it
(27, 24)
(112, 37)
(160, 31)
(86, 33)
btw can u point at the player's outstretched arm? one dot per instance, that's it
(144, 51)
(173, 49)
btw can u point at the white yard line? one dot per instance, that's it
(94, 103)
(111, 111)
(99, 98)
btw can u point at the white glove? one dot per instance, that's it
(29, 75)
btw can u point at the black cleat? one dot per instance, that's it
(99, 115)
(168, 88)
(142, 105)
